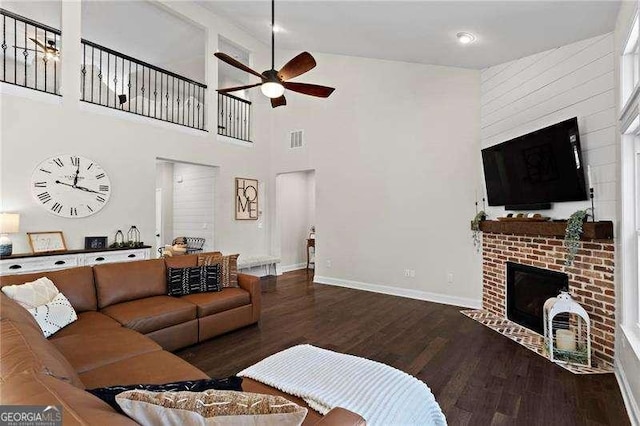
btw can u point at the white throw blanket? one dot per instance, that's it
(381, 394)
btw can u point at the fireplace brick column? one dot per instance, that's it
(591, 280)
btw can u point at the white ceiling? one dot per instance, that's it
(424, 31)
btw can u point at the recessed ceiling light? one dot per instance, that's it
(465, 38)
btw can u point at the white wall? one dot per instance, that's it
(193, 202)
(395, 150)
(35, 126)
(295, 211)
(530, 93)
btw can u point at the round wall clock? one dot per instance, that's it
(70, 186)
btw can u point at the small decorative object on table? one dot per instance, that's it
(572, 235)
(118, 240)
(92, 243)
(9, 224)
(45, 242)
(133, 237)
(567, 331)
(312, 234)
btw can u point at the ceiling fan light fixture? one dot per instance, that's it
(465, 38)
(272, 89)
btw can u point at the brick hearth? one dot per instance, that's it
(590, 278)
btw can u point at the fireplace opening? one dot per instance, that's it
(528, 288)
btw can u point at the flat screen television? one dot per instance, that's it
(537, 168)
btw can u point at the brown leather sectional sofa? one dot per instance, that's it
(126, 326)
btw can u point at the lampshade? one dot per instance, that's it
(9, 223)
(271, 89)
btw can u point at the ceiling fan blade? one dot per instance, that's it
(39, 43)
(234, 63)
(309, 89)
(276, 102)
(297, 66)
(235, 89)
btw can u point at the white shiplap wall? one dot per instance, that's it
(576, 80)
(193, 200)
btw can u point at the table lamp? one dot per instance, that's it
(9, 224)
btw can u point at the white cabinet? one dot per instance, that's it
(35, 263)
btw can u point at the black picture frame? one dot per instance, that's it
(95, 243)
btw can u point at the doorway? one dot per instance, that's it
(185, 199)
(296, 215)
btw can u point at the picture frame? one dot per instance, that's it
(246, 195)
(95, 243)
(46, 242)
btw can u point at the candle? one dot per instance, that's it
(565, 340)
(589, 177)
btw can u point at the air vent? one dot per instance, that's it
(296, 139)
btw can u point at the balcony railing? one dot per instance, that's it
(30, 53)
(115, 80)
(234, 117)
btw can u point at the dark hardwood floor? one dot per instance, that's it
(477, 376)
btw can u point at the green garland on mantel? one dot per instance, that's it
(572, 235)
(475, 228)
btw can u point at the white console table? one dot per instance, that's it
(28, 263)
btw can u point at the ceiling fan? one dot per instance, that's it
(273, 83)
(49, 49)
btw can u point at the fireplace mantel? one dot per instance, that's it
(602, 230)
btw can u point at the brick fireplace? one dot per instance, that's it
(591, 280)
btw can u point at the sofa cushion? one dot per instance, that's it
(78, 406)
(199, 279)
(153, 367)
(24, 348)
(108, 393)
(89, 351)
(212, 303)
(122, 282)
(75, 283)
(210, 407)
(229, 266)
(32, 294)
(55, 315)
(88, 323)
(151, 313)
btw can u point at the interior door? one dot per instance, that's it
(159, 217)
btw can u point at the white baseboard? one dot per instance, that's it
(289, 268)
(402, 292)
(629, 401)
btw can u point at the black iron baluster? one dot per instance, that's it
(155, 94)
(161, 95)
(129, 87)
(115, 81)
(173, 97)
(55, 67)
(84, 70)
(198, 107)
(167, 99)
(184, 96)
(25, 53)
(136, 89)
(92, 68)
(106, 95)
(4, 48)
(204, 104)
(100, 78)
(35, 61)
(178, 102)
(15, 51)
(122, 86)
(45, 60)
(142, 90)
(149, 100)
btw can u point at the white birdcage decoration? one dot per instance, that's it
(567, 331)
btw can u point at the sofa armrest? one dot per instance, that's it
(341, 417)
(251, 284)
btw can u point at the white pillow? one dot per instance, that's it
(54, 315)
(32, 294)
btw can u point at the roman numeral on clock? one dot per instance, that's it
(75, 161)
(58, 162)
(44, 197)
(46, 171)
(90, 209)
(100, 176)
(40, 184)
(73, 211)
(100, 199)
(104, 188)
(57, 207)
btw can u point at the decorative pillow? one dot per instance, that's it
(210, 407)
(229, 267)
(183, 281)
(109, 394)
(55, 315)
(32, 294)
